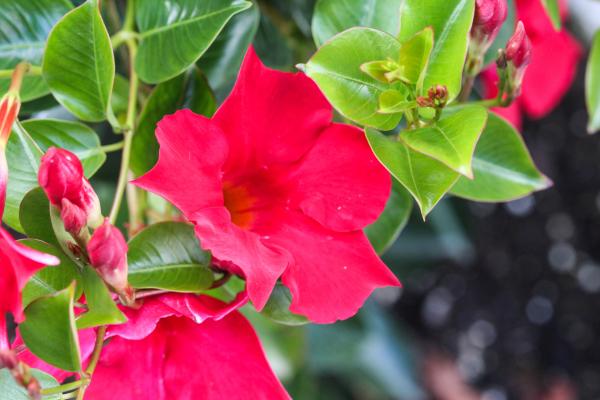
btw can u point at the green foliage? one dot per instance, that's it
(79, 64)
(175, 34)
(168, 256)
(414, 58)
(395, 101)
(10, 390)
(34, 215)
(53, 339)
(592, 85)
(102, 310)
(277, 308)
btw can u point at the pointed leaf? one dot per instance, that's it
(592, 85)
(502, 166)
(102, 310)
(277, 308)
(168, 256)
(451, 22)
(174, 34)
(49, 330)
(452, 139)
(335, 67)
(395, 101)
(414, 57)
(425, 178)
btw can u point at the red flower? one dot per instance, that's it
(489, 16)
(276, 189)
(179, 346)
(17, 264)
(548, 76)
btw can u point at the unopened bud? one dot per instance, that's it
(518, 47)
(107, 251)
(489, 17)
(438, 94)
(11, 103)
(61, 177)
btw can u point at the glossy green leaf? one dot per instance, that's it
(502, 166)
(10, 390)
(102, 310)
(23, 157)
(335, 67)
(334, 16)
(414, 57)
(272, 46)
(592, 85)
(553, 11)
(277, 308)
(384, 232)
(452, 139)
(176, 33)
(79, 65)
(34, 215)
(199, 97)
(451, 22)
(223, 58)
(24, 27)
(168, 256)
(51, 279)
(425, 178)
(49, 330)
(73, 136)
(395, 101)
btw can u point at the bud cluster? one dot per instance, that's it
(437, 97)
(512, 63)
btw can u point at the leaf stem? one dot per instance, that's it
(485, 103)
(94, 358)
(63, 388)
(33, 70)
(109, 148)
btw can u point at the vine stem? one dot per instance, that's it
(62, 388)
(94, 358)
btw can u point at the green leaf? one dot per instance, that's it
(277, 308)
(79, 65)
(168, 256)
(414, 57)
(222, 60)
(502, 166)
(176, 33)
(102, 310)
(592, 85)
(383, 71)
(451, 22)
(334, 16)
(11, 390)
(51, 279)
(553, 11)
(24, 27)
(73, 136)
(34, 215)
(384, 232)
(49, 330)
(272, 46)
(395, 101)
(199, 97)
(425, 178)
(23, 158)
(452, 139)
(335, 67)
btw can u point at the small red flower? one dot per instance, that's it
(275, 189)
(17, 264)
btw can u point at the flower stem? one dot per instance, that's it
(62, 388)
(94, 358)
(33, 70)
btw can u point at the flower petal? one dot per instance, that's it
(340, 183)
(188, 172)
(271, 117)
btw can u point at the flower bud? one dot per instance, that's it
(61, 177)
(489, 17)
(11, 103)
(518, 48)
(107, 251)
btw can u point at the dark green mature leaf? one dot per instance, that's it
(278, 308)
(508, 28)
(175, 34)
(425, 178)
(24, 27)
(168, 256)
(10, 390)
(77, 138)
(335, 67)
(23, 157)
(451, 22)
(51, 279)
(502, 166)
(592, 85)
(384, 232)
(553, 11)
(79, 65)
(102, 310)
(222, 60)
(34, 215)
(334, 16)
(272, 46)
(199, 97)
(452, 139)
(49, 330)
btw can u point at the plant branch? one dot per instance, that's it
(63, 388)
(33, 70)
(94, 358)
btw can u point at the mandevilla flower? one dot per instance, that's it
(275, 189)
(518, 48)
(61, 177)
(107, 251)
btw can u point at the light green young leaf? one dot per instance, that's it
(174, 34)
(452, 139)
(592, 85)
(451, 22)
(414, 57)
(335, 67)
(502, 166)
(79, 65)
(426, 179)
(395, 101)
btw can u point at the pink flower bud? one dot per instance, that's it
(518, 48)
(107, 251)
(9, 109)
(61, 177)
(489, 17)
